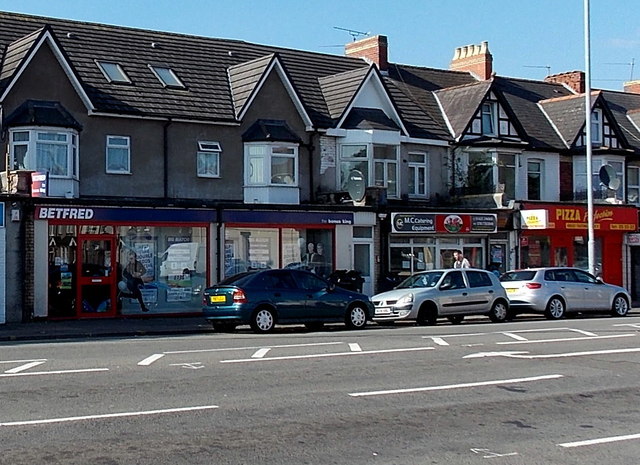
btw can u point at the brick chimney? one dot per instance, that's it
(372, 49)
(632, 87)
(475, 59)
(574, 79)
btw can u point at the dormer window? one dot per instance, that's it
(596, 126)
(113, 72)
(489, 119)
(167, 77)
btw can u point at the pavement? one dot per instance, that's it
(97, 328)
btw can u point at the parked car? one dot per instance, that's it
(452, 293)
(556, 291)
(264, 298)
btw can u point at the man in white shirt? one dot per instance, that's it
(459, 260)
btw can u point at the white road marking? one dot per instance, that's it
(337, 354)
(568, 339)
(567, 354)
(261, 353)
(490, 455)
(149, 360)
(25, 366)
(591, 442)
(107, 415)
(456, 386)
(24, 361)
(517, 337)
(193, 366)
(226, 349)
(355, 347)
(440, 341)
(586, 333)
(58, 372)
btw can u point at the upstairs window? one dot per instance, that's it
(378, 164)
(596, 126)
(273, 164)
(489, 119)
(600, 191)
(167, 77)
(118, 155)
(535, 176)
(633, 184)
(208, 159)
(54, 151)
(113, 72)
(418, 175)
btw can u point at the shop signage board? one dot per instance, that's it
(533, 219)
(605, 218)
(94, 214)
(285, 217)
(448, 223)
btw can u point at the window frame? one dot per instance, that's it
(208, 148)
(489, 116)
(597, 161)
(597, 124)
(30, 158)
(372, 163)
(109, 146)
(123, 78)
(633, 187)
(415, 168)
(266, 163)
(539, 173)
(158, 70)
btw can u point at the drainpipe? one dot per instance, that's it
(311, 148)
(165, 158)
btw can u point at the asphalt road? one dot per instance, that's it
(527, 392)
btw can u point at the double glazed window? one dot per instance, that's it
(600, 191)
(271, 164)
(54, 151)
(378, 164)
(118, 155)
(418, 175)
(489, 118)
(535, 175)
(208, 159)
(491, 172)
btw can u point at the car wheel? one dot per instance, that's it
(555, 309)
(499, 312)
(455, 319)
(620, 306)
(263, 320)
(427, 316)
(314, 325)
(356, 317)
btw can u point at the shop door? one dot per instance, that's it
(363, 262)
(96, 277)
(561, 251)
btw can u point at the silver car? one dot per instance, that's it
(427, 295)
(560, 290)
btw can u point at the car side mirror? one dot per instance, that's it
(445, 286)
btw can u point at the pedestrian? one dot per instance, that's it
(459, 260)
(132, 273)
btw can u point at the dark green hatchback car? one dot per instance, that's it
(265, 298)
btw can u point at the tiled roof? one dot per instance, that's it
(244, 77)
(42, 113)
(461, 103)
(15, 54)
(339, 89)
(625, 108)
(567, 114)
(369, 118)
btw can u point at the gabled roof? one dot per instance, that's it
(369, 118)
(244, 78)
(460, 104)
(339, 89)
(16, 53)
(625, 109)
(568, 115)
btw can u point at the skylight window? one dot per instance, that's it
(167, 77)
(113, 72)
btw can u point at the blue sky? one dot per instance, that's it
(525, 36)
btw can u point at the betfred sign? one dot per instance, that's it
(64, 213)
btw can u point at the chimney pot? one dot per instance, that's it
(475, 59)
(372, 49)
(632, 87)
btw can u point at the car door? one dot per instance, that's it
(596, 295)
(572, 290)
(282, 290)
(322, 303)
(481, 291)
(454, 293)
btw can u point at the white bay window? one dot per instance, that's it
(54, 151)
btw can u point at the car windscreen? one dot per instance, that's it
(522, 275)
(421, 280)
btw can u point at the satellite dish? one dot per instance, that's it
(609, 178)
(356, 185)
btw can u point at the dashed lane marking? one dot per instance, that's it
(591, 442)
(57, 372)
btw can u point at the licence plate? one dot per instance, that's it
(383, 311)
(216, 299)
(511, 291)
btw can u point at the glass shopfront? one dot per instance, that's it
(103, 269)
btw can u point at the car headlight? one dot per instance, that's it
(405, 300)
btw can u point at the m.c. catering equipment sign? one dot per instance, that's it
(448, 223)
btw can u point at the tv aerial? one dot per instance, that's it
(355, 34)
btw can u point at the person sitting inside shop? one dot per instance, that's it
(132, 275)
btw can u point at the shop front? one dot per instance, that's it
(320, 242)
(557, 235)
(425, 241)
(108, 261)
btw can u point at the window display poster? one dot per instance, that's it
(145, 254)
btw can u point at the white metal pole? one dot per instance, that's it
(587, 111)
